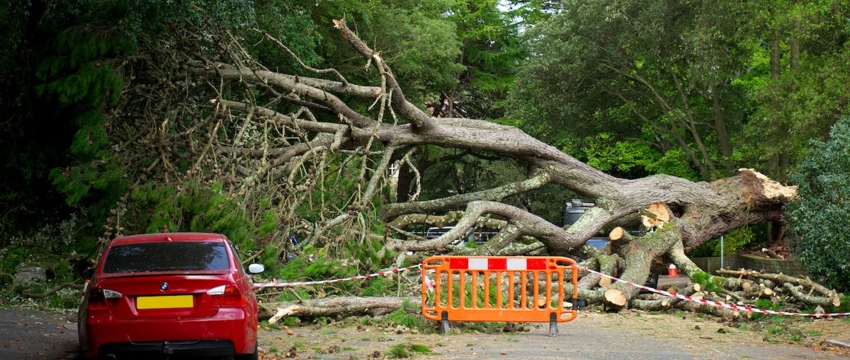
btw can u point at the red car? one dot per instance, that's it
(169, 295)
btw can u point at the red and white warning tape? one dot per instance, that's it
(716, 303)
(484, 264)
(330, 281)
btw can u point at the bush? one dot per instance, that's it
(818, 218)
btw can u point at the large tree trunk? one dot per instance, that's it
(377, 125)
(699, 211)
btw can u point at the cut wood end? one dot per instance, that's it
(616, 234)
(657, 215)
(604, 282)
(616, 297)
(660, 211)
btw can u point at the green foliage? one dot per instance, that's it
(733, 242)
(190, 208)
(704, 279)
(380, 286)
(320, 268)
(408, 315)
(631, 158)
(818, 217)
(803, 73)
(766, 304)
(603, 73)
(291, 24)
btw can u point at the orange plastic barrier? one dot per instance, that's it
(497, 288)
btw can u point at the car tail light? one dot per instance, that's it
(101, 299)
(228, 295)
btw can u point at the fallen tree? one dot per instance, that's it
(263, 154)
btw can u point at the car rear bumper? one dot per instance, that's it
(150, 350)
(228, 332)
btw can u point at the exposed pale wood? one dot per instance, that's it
(604, 281)
(655, 215)
(620, 234)
(282, 312)
(341, 307)
(671, 290)
(616, 297)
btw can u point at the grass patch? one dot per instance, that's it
(775, 330)
(403, 351)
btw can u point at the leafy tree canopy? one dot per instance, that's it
(820, 216)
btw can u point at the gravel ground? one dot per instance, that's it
(32, 334)
(592, 335)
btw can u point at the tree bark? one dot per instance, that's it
(694, 212)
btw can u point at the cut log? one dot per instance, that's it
(671, 290)
(341, 307)
(652, 305)
(604, 282)
(708, 309)
(620, 234)
(615, 299)
(798, 293)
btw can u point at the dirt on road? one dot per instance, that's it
(27, 333)
(593, 335)
(31, 334)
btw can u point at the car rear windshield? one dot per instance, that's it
(166, 256)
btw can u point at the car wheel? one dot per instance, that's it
(254, 356)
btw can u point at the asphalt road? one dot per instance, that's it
(27, 334)
(30, 334)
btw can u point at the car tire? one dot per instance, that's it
(254, 356)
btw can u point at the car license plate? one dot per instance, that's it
(164, 302)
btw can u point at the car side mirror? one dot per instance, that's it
(88, 273)
(256, 268)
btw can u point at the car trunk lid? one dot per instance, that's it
(163, 296)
